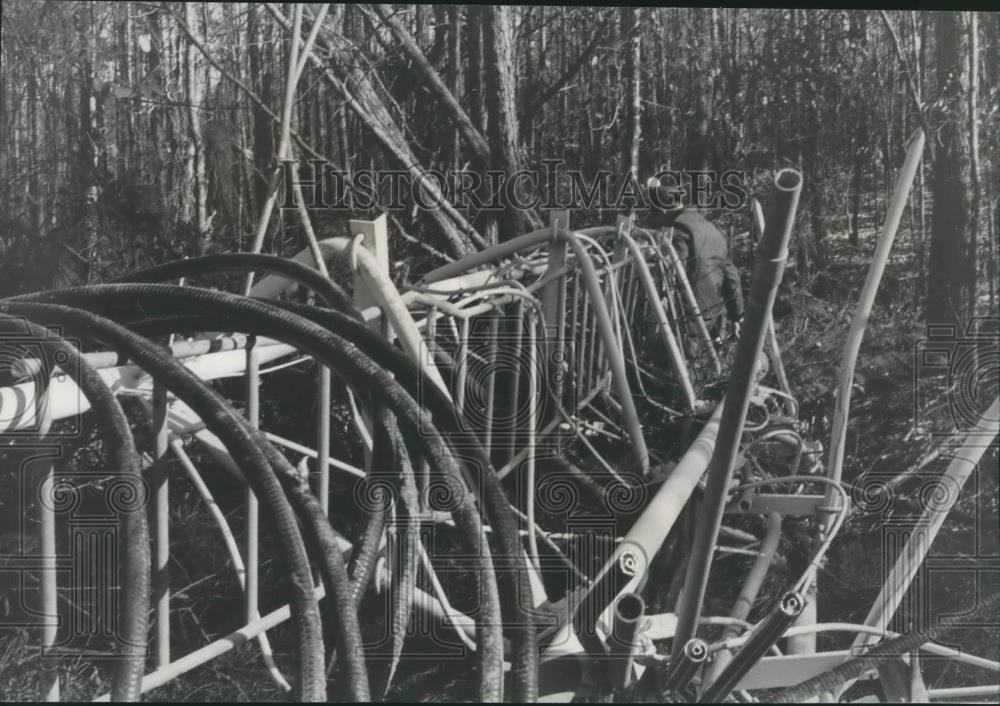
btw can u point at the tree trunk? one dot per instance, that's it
(859, 34)
(814, 147)
(919, 52)
(474, 74)
(35, 197)
(89, 149)
(630, 41)
(455, 76)
(950, 184)
(196, 146)
(263, 140)
(973, 276)
(991, 265)
(501, 106)
(699, 147)
(793, 138)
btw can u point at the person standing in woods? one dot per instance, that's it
(703, 249)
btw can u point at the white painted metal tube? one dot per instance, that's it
(234, 553)
(422, 600)
(949, 487)
(866, 301)
(388, 298)
(311, 453)
(750, 590)
(18, 409)
(187, 348)
(695, 311)
(647, 535)
(49, 684)
(161, 528)
(928, 647)
(966, 692)
(663, 324)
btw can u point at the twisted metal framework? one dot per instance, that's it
(492, 379)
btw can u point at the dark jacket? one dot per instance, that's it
(716, 282)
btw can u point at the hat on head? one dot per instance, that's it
(665, 199)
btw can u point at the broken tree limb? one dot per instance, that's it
(911, 84)
(363, 99)
(446, 98)
(249, 92)
(572, 70)
(418, 242)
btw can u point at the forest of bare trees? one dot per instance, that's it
(133, 131)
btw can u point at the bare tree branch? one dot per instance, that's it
(369, 107)
(447, 99)
(571, 71)
(910, 83)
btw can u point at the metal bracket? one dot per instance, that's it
(789, 670)
(375, 237)
(782, 503)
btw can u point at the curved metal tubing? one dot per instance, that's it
(644, 539)
(932, 648)
(26, 367)
(683, 669)
(911, 558)
(866, 300)
(774, 352)
(681, 276)
(663, 323)
(629, 613)
(234, 553)
(595, 295)
(161, 528)
(760, 640)
(394, 308)
(748, 595)
(991, 691)
(856, 332)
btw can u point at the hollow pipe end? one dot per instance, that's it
(788, 179)
(630, 607)
(696, 650)
(792, 603)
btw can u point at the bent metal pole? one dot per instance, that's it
(663, 324)
(768, 268)
(859, 322)
(852, 346)
(626, 570)
(763, 637)
(748, 595)
(629, 613)
(595, 295)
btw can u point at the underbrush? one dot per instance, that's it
(906, 419)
